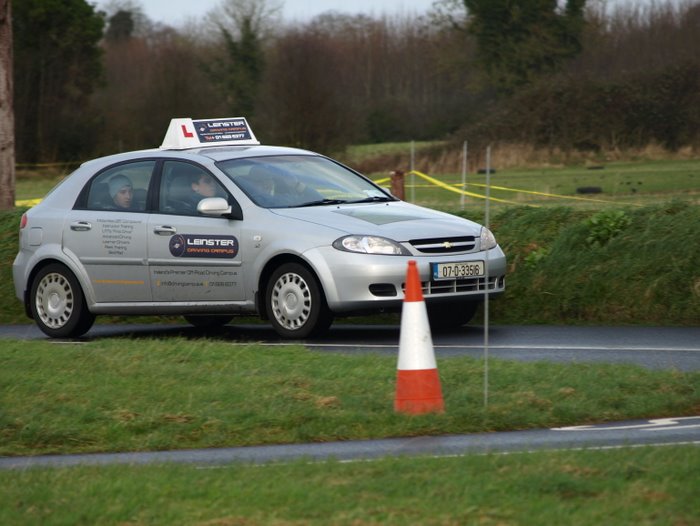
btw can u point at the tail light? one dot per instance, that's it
(23, 221)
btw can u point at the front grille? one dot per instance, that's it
(444, 245)
(452, 286)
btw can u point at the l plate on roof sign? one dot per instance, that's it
(188, 133)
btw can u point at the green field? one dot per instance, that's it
(650, 486)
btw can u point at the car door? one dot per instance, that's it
(192, 257)
(108, 238)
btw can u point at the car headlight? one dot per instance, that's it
(487, 240)
(370, 245)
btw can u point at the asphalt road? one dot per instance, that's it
(650, 347)
(661, 432)
(654, 348)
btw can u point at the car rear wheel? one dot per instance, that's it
(451, 315)
(295, 303)
(57, 303)
(208, 321)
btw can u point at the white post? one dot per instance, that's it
(413, 176)
(464, 173)
(486, 279)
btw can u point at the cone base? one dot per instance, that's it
(418, 392)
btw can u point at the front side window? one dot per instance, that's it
(183, 185)
(121, 188)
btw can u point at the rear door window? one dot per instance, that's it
(121, 188)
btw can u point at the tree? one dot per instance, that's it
(7, 124)
(521, 40)
(126, 18)
(241, 74)
(305, 106)
(57, 66)
(149, 80)
(243, 25)
(121, 26)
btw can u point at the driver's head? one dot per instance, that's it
(204, 185)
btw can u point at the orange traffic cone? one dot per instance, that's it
(418, 388)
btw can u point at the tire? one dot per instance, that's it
(57, 303)
(451, 315)
(295, 303)
(208, 321)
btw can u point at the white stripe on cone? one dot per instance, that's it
(415, 343)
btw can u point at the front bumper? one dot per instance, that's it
(359, 282)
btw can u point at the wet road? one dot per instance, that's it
(650, 347)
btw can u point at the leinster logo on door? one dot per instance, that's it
(177, 245)
(203, 246)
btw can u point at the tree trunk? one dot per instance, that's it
(7, 119)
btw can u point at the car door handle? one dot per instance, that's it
(80, 226)
(164, 230)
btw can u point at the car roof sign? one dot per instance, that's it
(188, 133)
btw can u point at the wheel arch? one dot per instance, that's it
(267, 271)
(44, 263)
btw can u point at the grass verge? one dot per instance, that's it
(138, 395)
(622, 487)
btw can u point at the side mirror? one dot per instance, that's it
(219, 207)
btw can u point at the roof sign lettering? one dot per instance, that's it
(188, 133)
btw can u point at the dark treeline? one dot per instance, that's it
(89, 83)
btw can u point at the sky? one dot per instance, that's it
(175, 12)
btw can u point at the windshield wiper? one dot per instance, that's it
(322, 202)
(374, 199)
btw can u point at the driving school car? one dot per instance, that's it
(212, 225)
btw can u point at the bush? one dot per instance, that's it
(605, 225)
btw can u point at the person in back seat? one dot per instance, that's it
(121, 191)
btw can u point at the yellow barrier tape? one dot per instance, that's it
(559, 196)
(27, 202)
(446, 186)
(382, 181)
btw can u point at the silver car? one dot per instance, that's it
(214, 231)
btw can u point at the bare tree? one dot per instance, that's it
(261, 15)
(7, 120)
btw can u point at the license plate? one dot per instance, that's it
(457, 270)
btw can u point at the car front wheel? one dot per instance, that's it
(57, 303)
(295, 303)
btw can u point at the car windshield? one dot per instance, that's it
(300, 181)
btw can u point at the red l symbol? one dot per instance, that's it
(185, 132)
